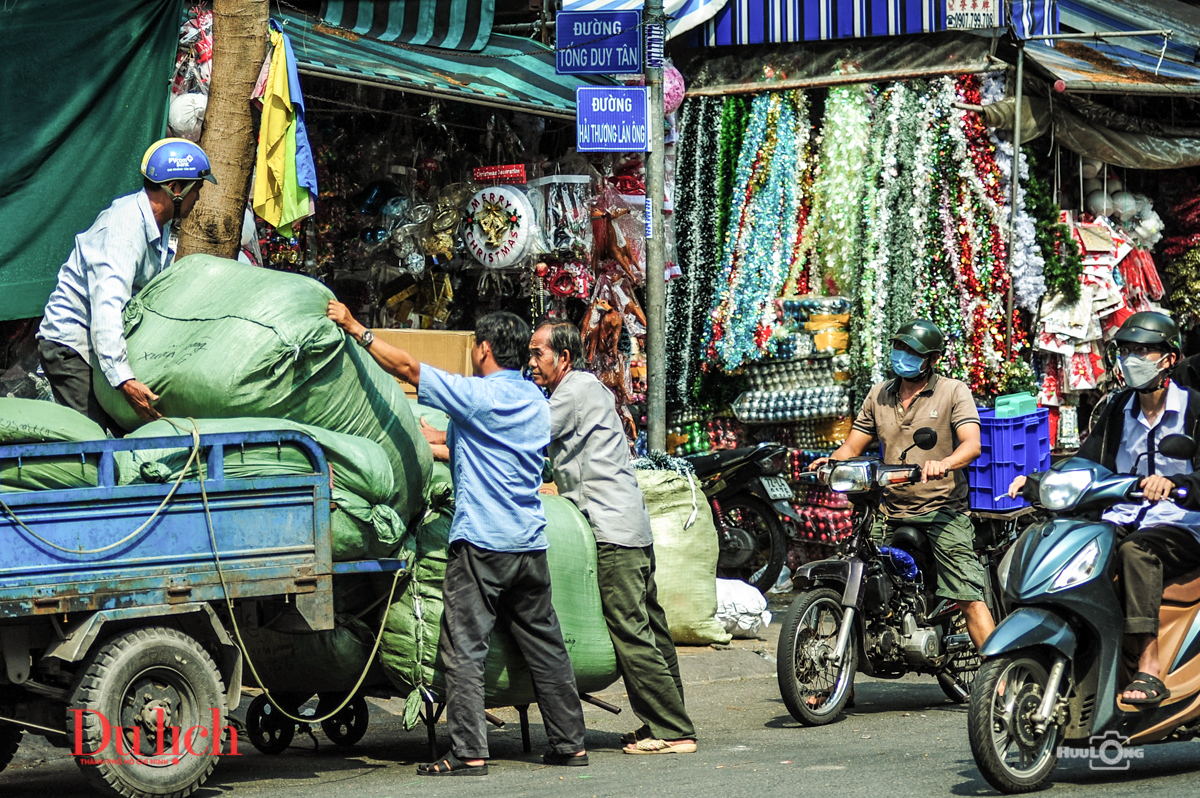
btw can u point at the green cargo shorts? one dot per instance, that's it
(952, 535)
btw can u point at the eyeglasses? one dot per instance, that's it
(1139, 351)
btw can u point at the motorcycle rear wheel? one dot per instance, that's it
(1010, 755)
(814, 690)
(759, 520)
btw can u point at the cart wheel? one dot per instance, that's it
(136, 684)
(348, 726)
(270, 732)
(10, 741)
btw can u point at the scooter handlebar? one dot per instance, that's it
(1178, 495)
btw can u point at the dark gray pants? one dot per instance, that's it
(642, 641)
(1146, 558)
(70, 378)
(481, 585)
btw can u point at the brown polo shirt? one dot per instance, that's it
(945, 405)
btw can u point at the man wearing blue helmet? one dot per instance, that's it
(126, 247)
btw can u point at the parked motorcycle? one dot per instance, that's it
(1055, 667)
(748, 497)
(873, 608)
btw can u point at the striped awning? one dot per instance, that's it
(450, 24)
(511, 72)
(685, 14)
(1107, 16)
(1107, 68)
(779, 21)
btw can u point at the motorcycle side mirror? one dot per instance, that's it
(926, 438)
(1178, 447)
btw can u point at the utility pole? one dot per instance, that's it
(656, 287)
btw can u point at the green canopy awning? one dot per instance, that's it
(511, 72)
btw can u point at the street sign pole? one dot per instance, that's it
(656, 287)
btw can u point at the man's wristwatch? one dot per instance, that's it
(367, 339)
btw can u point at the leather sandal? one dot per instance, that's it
(450, 765)
(643, 747)
(1156, 692)
(575, 760)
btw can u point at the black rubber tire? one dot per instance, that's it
(153, 666)
(269, 731)
(348, 726)
(10, 741)
(1023, 675)
(795, 666)
(963, 668)
(771, 542)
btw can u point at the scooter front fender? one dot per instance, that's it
(1028, 627)
(846, 573)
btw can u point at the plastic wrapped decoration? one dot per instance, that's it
(185, 118)
(193, 63)
(673, 89)
(618, 237)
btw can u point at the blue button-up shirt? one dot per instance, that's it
(499, 425)
(1135, 439)
(113, 259)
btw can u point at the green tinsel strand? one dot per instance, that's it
(733, 125)
(1059, 250)
(1184, 274)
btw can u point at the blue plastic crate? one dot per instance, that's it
(1009, 446)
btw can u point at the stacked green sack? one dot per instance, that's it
(363, 523)
(410, 639)
(34, 421)
(218, 339)
(686, 556)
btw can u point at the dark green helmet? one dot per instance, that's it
(1151, 329)
(922, 336)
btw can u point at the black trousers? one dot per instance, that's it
(481, 586)
(1146, 558)
(70, 378)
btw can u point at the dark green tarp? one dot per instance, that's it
(83, 93)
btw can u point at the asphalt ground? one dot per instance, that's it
(904, 738)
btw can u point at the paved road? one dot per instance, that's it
(903, 739)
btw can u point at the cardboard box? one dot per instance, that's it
(448, 350)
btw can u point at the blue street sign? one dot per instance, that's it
(612, 119)
(598, 42)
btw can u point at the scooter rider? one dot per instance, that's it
(1163, 539)
(895, 409)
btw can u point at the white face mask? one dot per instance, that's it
(1139, 372)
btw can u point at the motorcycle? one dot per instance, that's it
(1055, 667)
(872, 608)
(747, 497)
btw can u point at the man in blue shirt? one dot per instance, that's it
(499, 425)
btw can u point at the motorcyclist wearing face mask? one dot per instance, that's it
(895, 409)
(1163, 539)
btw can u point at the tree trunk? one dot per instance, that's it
(240, 40)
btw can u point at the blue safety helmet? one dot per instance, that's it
(168, 160)
(176, 159)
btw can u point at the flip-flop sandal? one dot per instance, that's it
(629, 738)
(450, 765)
(565, 760)
(1156, 692)
(643, 747)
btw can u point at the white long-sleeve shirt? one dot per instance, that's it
(112, 260)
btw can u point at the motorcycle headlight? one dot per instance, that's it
(850, 478)
(1060, 490)
(1079, 569)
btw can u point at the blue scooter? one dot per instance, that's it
(1054, 669)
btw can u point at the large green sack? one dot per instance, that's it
(218, 339)
(34, 421)
(363, 523)
(685, 557)
(409, 647)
